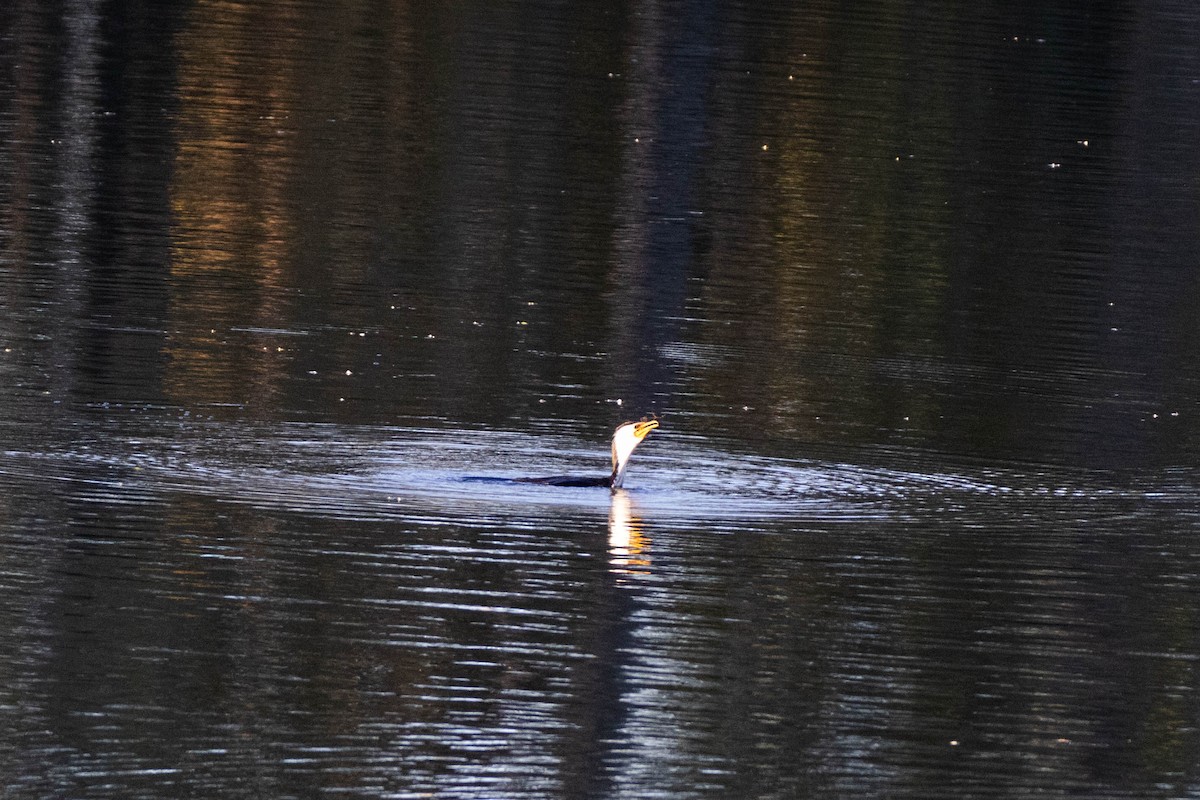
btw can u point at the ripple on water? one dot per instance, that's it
(434, 476)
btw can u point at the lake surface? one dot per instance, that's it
(292, 290)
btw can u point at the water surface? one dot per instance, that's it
(913, 291)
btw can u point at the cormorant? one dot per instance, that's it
(627, 436)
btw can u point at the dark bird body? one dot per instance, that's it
(569, 480)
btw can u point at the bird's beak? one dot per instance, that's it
(641, 429)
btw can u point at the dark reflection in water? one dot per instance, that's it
(913, 290)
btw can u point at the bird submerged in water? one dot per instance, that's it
(626, 438)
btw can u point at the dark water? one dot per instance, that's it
(913, 289)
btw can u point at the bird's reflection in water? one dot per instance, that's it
(628, 545)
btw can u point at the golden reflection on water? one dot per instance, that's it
(628, 544)
(231, 237)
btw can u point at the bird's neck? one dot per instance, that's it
(618, 474)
